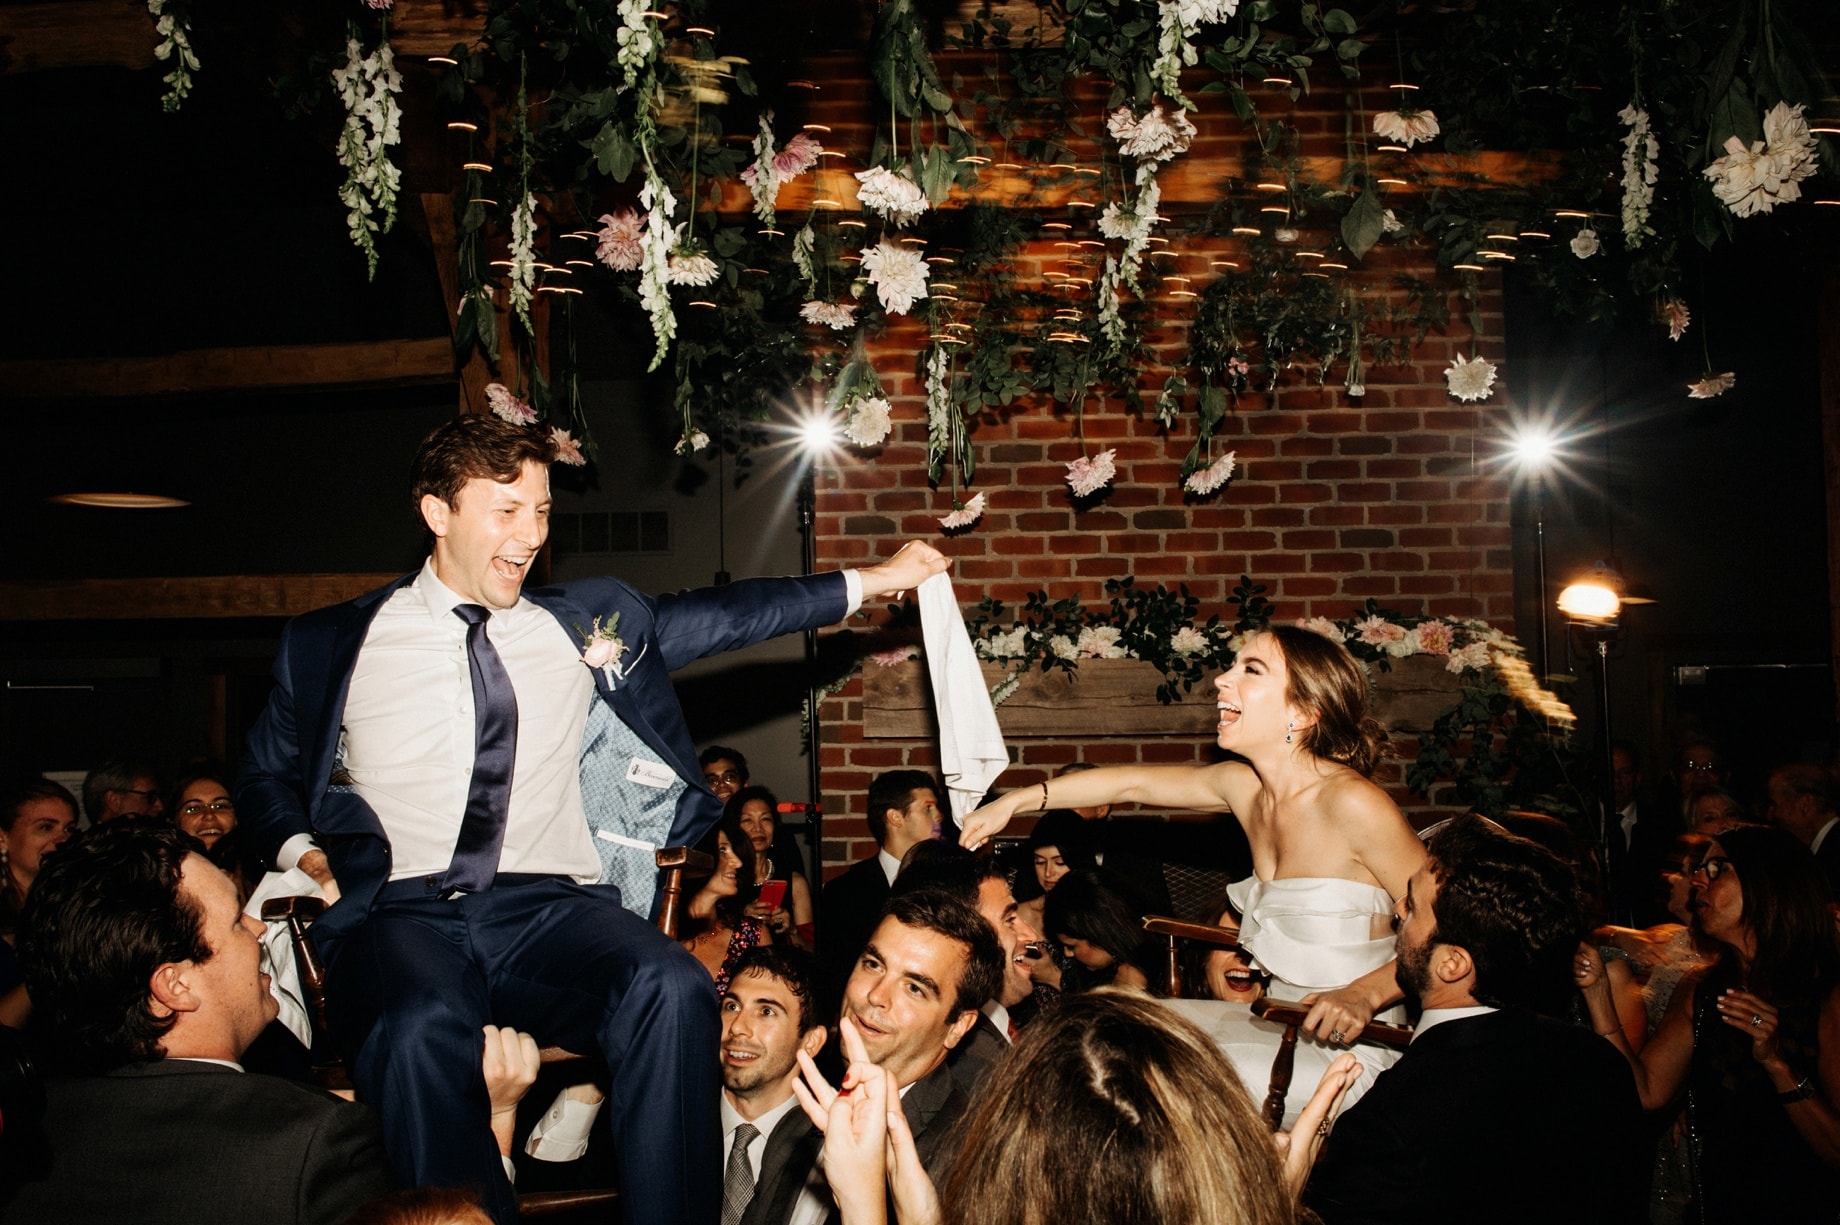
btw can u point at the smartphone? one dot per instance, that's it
(773, 894)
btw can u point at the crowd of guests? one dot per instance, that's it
(1661, 1023)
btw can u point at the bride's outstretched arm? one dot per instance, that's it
(1199, 788)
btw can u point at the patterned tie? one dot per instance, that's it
(738, 1182)
(488, 795)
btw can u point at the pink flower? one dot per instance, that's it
(1088, 476)
(892, 656)
(620, 246)
(380, 4)
(1206, 480)
(601, 652)
(1678, 316)
(799, 155)
(568, 450)
(965, 515)
(1434, 638)
(1321, 625)
(1712, 385)
(507, 407)
(1378, 631)
(1238, 366)
(1406, 126)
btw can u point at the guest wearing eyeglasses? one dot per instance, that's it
(118, 787)
(201, 805)
(725, 770)
(1754, 1040)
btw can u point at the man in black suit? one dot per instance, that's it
(1495, 1112)
(769, 1015)
(980, 882)
(903, 812)
(1640, 836)
(146, 982)
(1804, 801)
(914, 995)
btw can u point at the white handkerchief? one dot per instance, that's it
(278, 949)
(971, 749)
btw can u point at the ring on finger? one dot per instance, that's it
(1756, 1020)
(1336, 1036)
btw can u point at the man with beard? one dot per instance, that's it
(769, 1015)
(1495, 1112)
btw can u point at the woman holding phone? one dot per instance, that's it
(784, 900)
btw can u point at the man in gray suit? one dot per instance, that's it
(769, 1015)
(146, 983)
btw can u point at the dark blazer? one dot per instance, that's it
(1828, 857)
(937, 1110)
(785, 1165)
(976, 1054)
(1635, 870)
(178, 1141)
(847, 912)
(285, 786)
(1505, 1117)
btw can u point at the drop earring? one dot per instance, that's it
(1288, 729)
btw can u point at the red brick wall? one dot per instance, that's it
(1336, 500)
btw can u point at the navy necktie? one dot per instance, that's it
(488, 796)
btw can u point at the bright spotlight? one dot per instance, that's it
(1533, 447)
(817, 434)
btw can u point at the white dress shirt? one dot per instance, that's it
(1821, 835)
(407, 738)
(1437, 1016)
(891, 867)
(999, 1016)
(815, 1202)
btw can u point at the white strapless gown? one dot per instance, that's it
(1310, 934)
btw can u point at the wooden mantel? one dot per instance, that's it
(155, 599)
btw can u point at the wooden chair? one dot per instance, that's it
(329, 1070)
(1290, 1016)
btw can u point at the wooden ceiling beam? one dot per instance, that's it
(158, 599)
(383, 363)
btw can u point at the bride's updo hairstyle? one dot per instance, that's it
(1327, 681)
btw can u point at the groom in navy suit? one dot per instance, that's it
(477, 777)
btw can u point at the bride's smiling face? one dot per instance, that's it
(1253, 696)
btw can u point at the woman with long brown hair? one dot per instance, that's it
(1330, 852)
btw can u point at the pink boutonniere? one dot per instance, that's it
(602, 647)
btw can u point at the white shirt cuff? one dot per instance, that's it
(852, 590)
(562, 1133)
(291, 851)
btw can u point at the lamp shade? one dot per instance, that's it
(1590, 601)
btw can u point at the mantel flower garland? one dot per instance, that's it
(368, 85)
(1757, 179)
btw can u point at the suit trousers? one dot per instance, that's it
(411, 987)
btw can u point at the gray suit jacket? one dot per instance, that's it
(176, 1141)
(937, 1110)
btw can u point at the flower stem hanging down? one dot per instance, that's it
(174, 27)
(368, 86)
(1641, 154)
(524, 260)
(655, 265)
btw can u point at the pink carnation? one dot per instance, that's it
(620, 246)
(1434, 638)
(892, 656)
(1378, 631)
(507, 407)
(568, 450)
(1088, 476)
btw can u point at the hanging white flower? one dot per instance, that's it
(868, 423)
(1177, 22)
(939, 419)
(175, 45)
(694, 440)
(1470, 378)
(898, 274)
(655, 267)
(368, 86)
(638, 38)
(839, 316)
(1406, 126)
(1158, 134)
(1207, 480)
(1757, 179)
(1389, 224)
(1585, 245)
(1088, 476)
(618, 244)
(1111, 322)
(1712, 385)
(892, 196)
(689, 264)
(1641, 169)
(524, 259)
(966, 515)
(1133, 225)
(803, 244)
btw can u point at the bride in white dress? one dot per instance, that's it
(1330, 852)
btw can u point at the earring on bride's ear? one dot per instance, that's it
(1288, 729)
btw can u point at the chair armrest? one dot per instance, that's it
(307, 907)
(693, 862)
(1396, 1036)
(1208, 933)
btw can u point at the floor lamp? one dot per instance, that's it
(1593, 610)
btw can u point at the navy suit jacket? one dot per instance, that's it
(286, 786)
